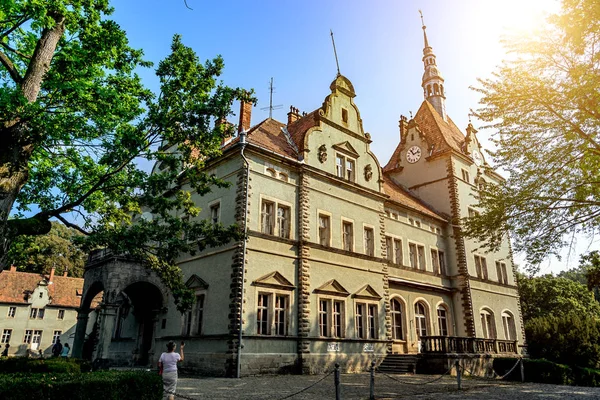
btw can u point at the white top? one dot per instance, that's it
(169, 361)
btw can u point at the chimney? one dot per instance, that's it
(226, 125)
(66, 273)
(245, 115)
(13, 268)
(293, 115)
(51, 278)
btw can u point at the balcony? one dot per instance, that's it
(455, 344)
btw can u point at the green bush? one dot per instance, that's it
(544, 371)
(48, 365)
(105, 385)
(586, 377)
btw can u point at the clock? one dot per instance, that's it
(477, 157)
(413, 154)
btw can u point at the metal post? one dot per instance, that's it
(522, 371)
(458, 373)
(336, 380)
(372, 390)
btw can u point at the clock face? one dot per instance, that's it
(413, 154)
(477, 157)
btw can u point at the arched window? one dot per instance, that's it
(272, 172)
(429, 93)
(283, 176)
(442, 314)
(397, 326)
(420, 319)
(442, 90)
(436, 88)
(487, 324)
(508, 323)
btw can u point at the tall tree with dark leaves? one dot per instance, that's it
(79, 131)
(544, 104)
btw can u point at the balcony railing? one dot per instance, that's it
(455, 344)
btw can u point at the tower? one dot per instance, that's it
(432, 82)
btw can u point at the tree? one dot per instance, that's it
(79, 130)
(548, 295)
(55, 249)
(587, 273)
(544, 104)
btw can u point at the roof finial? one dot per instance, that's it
(424, 29)
(335, 53)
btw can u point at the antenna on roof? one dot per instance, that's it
(271, 106)
(335, 53)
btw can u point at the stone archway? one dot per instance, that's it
(133, 298)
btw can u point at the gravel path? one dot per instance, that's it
(356, 387)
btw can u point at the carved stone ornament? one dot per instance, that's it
(322, 153)
(368, 172)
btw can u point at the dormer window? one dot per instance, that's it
(345, 167)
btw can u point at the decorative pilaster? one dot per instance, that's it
(303, 270)
(464, 284)
(385, 278)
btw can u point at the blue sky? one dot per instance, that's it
(379, 45)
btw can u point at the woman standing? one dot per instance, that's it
(167, 365)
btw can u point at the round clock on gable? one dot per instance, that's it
(413, 154)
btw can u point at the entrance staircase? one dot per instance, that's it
(399, 364)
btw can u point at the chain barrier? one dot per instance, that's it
(496, 376)
(181, 396)
(417, 383)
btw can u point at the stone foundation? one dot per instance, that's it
(481, 365)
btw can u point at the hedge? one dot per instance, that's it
(47, 365)
(544, 371)
(105, 385)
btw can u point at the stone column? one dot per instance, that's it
(108, 318)
(82, 321)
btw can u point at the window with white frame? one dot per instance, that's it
(215, 213)
(193, 319)
(487, 324)
(283, 221)
(275, 219)
(397, 314)
(442, 315)
(272, 314)
(366, 321)
(331, 318)
(324, 230)
(508, 323)
(345, 167)
(61, 314)
(421, 255)
(36, 313)
(437, 259)
(389, 248)
(481, 267)
(420, 319)
(267, 217)
(6, 334)
(369, 240)
(412, 254)
(501, 272)
(398, 251)
(348, 235)
(12, 311)
(36, 339)
(56, 336)
(27, 336)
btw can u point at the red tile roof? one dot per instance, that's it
(268, 135)
(14, 287)
(403, 197)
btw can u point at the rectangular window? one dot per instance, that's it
(27, 337)
(262, 314)
(360, 321)
(199, 313)
(442, 321)
(337, 318)
(504, 274)
(350, 170)
(398, 251)
(6, 334)
(215, 212)
(389, 248)
(473, 213)
(61, 314)
(369, 242)
(36, 313)
(344, 115)
(323, 318)
(435, 261)
(331, 318)
(283, 221)
(422, 263)
(366, 321)
(412, 250)
(442, 261)
(267, 217)
(348, 236)
(56, 336)
(339, 166)
(465, 175)
(345, 167)
(324, 230)
(36, 339)
(481, 267)
(12, 311)
(372, 321)
(280, 314)
(501, 272)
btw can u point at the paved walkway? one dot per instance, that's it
(356, 387)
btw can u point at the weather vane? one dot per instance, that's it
(335, 53)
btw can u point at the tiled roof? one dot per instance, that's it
(298, 128)
(402, 196)
(63, 291)
(268, 135)
(443, 135)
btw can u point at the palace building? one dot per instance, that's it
(347, 260)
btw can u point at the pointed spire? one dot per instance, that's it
(432, 83)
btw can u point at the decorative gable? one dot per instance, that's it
(195, 282)
(366, 293)
(332, 288)
(274, 280)
(346, 148)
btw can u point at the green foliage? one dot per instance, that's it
(13, 365)
(587, 273)
(567, 339)
(79, 132)
(105, 385)
(40, 253)
(548, 295)
(544, 371)
(544, 104)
